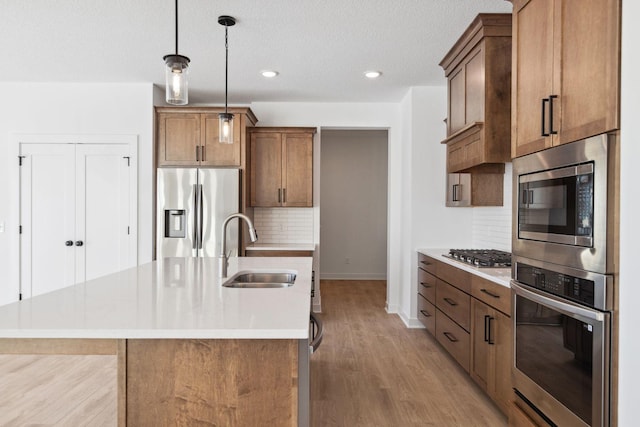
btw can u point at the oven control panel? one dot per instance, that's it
(570, 287)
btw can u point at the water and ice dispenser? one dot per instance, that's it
(175, 223)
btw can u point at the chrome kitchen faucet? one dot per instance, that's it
(223, 258)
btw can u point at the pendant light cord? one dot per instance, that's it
(226, 66)
(176, 27)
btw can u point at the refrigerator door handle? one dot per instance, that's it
(201, 218)
(195, 216)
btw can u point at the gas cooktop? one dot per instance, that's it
(481, 257)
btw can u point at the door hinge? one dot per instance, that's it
(20, 296)
(128, 230)
(20, 160)
(128, 160)
(19, 229)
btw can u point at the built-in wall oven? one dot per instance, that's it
(563, 204)
(564, 209)
(562, 326)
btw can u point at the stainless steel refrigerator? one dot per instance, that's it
(192, 203)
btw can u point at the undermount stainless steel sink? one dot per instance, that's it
(261, 279)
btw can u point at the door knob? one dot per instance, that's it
(68, 243)
(79, 243)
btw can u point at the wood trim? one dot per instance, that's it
(58, 346)
(484, 25)
(205, 109)
(261, 129)
(463, 133)
(122, 382)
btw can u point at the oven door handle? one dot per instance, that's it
(567, 308)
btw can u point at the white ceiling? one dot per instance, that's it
(320, 47)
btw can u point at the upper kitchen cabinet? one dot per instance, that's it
(566, 71)
(188, 136)
(281, 167)
(478, 71)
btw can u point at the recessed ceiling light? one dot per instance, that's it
(269, 73)
(372, 74)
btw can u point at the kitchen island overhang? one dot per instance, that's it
(187, 348)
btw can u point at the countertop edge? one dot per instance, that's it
(500, 276)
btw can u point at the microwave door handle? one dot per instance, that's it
(565, 308)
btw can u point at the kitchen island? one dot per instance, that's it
(188, 349)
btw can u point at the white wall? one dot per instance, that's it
(353, 216)
(72, 108)
(427, 222)
(629, 288)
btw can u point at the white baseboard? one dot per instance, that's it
(352, 276)
(412, 323)
(391, 309)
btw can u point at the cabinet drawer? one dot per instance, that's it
(459, 278)
(427, 314)
(453, 338)
(492, 294)
(454, 303)
(427, 285)
(428, 264)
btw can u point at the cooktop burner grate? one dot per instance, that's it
(482, 257)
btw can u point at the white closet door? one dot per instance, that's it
(103, 210)
(47, 217)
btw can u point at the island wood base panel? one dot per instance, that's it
(212, 382)
(169, 382)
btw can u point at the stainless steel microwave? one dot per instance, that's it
(564, 204)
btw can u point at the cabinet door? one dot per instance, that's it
(501, 332)
(533, 47)
(456, 119)
(178, 139)
(297, 173)
(214, 153)
(590, 55)
(482, 355)
(266, 169)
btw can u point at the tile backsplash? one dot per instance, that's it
(284, 225)
(492, 225)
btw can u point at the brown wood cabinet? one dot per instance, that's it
(566, 72)
(281, 167)
(470, 317)
(478, 71)
(188, 136)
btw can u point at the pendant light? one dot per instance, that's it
(226, 118)
(176, 71)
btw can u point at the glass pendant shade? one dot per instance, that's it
(176, 79)
(226, 128)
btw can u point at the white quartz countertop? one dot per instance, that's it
(281, 247)
(175, 298)
(501, 276)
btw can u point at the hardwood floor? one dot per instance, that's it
(369, 371)
(372, 371)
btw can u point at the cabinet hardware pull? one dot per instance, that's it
(426, 285)
(425, 263)
(525, 197)
(551, 131)
(68, 243)
(530, 197)
(486, 329)
(203, 152)
(491, 294)
(79, 243)
(450, 336)
(279, 195)
(489, 337)
(425, 314)
(197, 153)
(543, 133)
(284, 195)
(450, 301)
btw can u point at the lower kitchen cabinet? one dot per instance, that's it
(492, 353)
(470, 317)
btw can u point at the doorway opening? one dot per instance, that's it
(353, 198)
